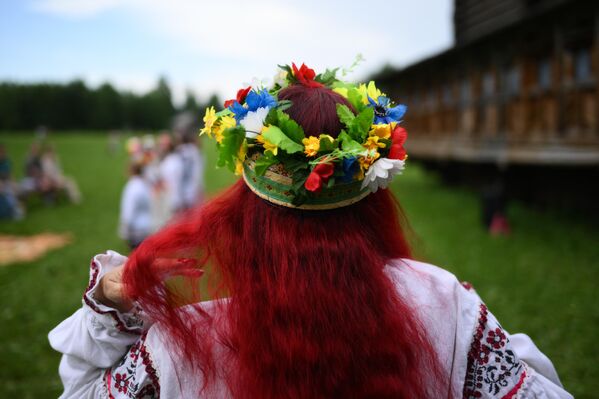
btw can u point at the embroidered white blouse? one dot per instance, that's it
(107, 354)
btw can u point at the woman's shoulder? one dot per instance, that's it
(447, 307)
(416, 276)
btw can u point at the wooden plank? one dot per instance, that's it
(502, 152)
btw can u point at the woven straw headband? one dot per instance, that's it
(275, 187)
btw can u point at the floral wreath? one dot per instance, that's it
(256, 138)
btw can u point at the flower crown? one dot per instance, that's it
(256, 138)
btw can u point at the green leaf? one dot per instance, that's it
(224, 112)
(328, 77)
(348, 144)
(284, 105)
(293, 165)
(290, 127)
(387, 142)
(331, 182)
(345, 115)
(278, 138)
(300, 194)
(289, 70)
(264, 162)
(286, 68)
(355, 98)
(361, 124)
(272, 118)
(233, 138)
(326, 144)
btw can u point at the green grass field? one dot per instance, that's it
(542, 280)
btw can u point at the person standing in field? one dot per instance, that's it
(192, 178)
(171, 172)
(135, 221)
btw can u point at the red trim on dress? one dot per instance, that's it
(95, 271)
(516, 388)
(470, 383)
(147, 362)
(108, 383)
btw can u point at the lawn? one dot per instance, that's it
(542, 280)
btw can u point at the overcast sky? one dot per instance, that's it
(210, 46)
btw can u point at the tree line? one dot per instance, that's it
(76, 106)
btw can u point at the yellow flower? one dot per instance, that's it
(240, 158)
(369, 91)
(341, 90)
(382, 131)
(268, 146)
(225, 123)
(312, 145)
(372, 143)
(368, 159)
(238, 167)
(209, 119)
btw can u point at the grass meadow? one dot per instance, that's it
(542, 280)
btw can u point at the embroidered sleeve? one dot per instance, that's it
(134, 377)
(123, 322)
(493, 369)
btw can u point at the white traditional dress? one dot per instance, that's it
(107, 354)
(135, 220)
(171, 174)
(192, 179)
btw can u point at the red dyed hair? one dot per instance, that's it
(311, 312)
(314, 108)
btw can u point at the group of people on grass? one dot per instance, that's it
(165, 178)
(43, 177)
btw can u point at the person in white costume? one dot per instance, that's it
(171, 175)
(135, 221)
(192, 179)
(314, 290)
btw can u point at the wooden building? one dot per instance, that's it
(518, 91)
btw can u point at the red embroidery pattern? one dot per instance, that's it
(135, 376)
(493, 370)
(120, 325)
(467, 285)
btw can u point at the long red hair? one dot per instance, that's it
(311, 312)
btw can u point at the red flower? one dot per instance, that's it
(241, 95)
(496, 338)
(320, 175)
(121, 382)
(483, 355)
(305, 76)
(398, 137)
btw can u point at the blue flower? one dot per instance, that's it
(239, 110)
(384, 114)
(253, 101)
(350, 168)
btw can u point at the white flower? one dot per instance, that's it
(254, 122)
(381, 173)
(257, 84)
(280, 78)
